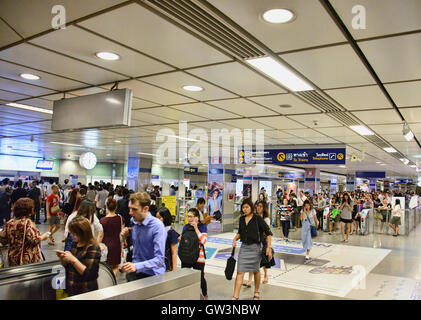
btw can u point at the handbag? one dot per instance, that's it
(23, 244)
(55, 209)
(313, 229)
(230, 267)
(265, 258)
(378, 215)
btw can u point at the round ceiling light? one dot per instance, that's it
(193, 88)
(278, 16)
(107, 55)
(29, 76)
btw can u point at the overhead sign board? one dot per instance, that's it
(45, 165)
(328, 156)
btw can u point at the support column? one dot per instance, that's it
(312, 181)
(373, 184)
(145, 173)
(133, 173)
(333, 185)
(350, 182)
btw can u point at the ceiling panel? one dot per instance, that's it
(331, 67)
(11, 96)
(353, 139)
(378, 117)
(87, 91)
(238, 79)
(299, 33)
(360, 98)
(38, 102)
(23, 88)
(308, 133)
(83, 45)
(149, 118)
(151, 93)
(7, 35)
(140, 104)
(171, 114)
(245, 124)
(242, 107)
(45, 60)
(322, 120)
(387, 17)
(387, 129)
(415, 127)
(406, 94)
(402, 50)
(411, 114)
(205, 110)
(162, 39)
(274, 102)
(322, 140)
(12, 71)
(16, 9)
(337, 132)
(175, 81)
(280, 122)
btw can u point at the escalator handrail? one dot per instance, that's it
(110, 271)
(27, 268)
(7, 282)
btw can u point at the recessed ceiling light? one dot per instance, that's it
(107, 55)
(390, 150)
(280, 73)
(362, 130)
(193, 88)
(117, 141)
(29, 76)
(278, 15)
(378, 162)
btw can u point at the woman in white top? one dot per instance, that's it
(396, 217)
(261, 210)
(87, 209)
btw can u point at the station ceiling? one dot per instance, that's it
(370, 77)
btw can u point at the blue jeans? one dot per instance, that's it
(68, 243)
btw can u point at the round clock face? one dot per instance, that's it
(87, 160)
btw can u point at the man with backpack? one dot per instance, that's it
(191, 249)
(148, 236)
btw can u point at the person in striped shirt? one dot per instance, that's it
(285, 211)
(193, 218)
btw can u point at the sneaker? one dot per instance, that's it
(330, 233)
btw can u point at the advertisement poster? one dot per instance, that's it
(267, 185)
(292, 186)
(239, 188)
(199, 194)
(215, 195)
(170, 203)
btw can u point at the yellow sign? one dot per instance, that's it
(340, 156)
(170, 203)
(281, 156)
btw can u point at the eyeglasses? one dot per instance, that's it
(189, 216)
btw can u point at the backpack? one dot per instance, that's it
(67, 208)
(188, 249)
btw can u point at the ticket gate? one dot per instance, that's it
(364, 221)
(326, 219)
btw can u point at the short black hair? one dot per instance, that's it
(201, 200)
(195, 212)
(166, 216)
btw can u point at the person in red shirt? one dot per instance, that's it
(53, 211)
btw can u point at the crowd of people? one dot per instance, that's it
(127, 231)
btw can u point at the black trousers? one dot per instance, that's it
(201, 268)
(285, 228)
(319, 215)
(133, 276)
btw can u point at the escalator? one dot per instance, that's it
(36, 281)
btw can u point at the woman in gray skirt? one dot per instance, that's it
(396, 217)
(251, 229)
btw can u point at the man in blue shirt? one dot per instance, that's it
(148, 236)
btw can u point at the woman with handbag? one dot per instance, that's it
(309, 222)
(346, 216)
(251, 231)
(262, 210)
(22, 236)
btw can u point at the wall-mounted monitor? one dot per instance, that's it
(45, 165)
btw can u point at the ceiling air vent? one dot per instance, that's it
(192, 14)
(318, 100)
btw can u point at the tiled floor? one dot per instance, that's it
(400, 267)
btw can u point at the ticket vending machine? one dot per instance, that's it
(364, 221)
(326, 219)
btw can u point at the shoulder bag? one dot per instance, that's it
(313, 229)
(265, 258)
(23, 243)
(230, 267)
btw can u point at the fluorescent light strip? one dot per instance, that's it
(362, 130)
(280, 73)
(409, 136)
(26, 107)
(182, 138)
(67, 144)
(390, 150)
(146, 154)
